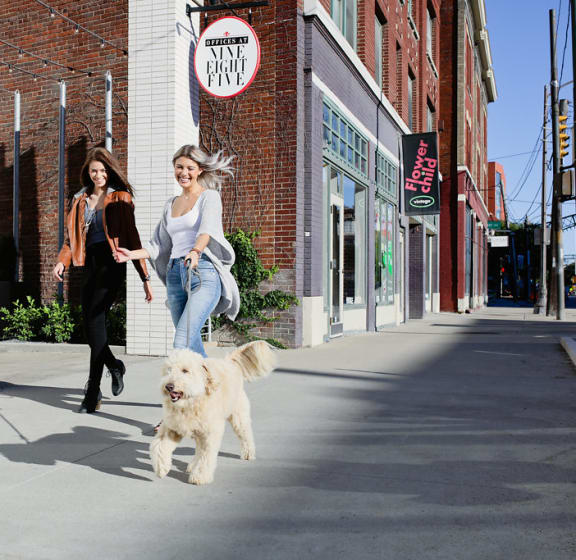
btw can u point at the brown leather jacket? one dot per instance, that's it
(119, 227)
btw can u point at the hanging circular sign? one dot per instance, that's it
(227, 57)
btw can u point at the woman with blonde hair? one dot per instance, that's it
(189, 251)
(101, 219)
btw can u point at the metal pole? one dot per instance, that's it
(61, 173)
(108, 141)
(540, 307)
(558, 248)
(16, 185)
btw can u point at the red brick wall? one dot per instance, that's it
(397, 64)
(449, 215)
(259, 127)
(28, 25)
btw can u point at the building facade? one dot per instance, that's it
(496, 192)
(467, 86)
(318, 137)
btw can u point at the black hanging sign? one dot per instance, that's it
(421, 185)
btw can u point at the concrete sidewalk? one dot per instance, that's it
(448, 438)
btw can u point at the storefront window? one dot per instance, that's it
(354, 242)
(384, 253)
(344, 141)
(386, 174)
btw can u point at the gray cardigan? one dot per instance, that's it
(219, 250)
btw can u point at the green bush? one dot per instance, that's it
(58, 323)
(249, 272)
(54, 322)
(22, 322)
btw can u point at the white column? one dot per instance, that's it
(162, 115)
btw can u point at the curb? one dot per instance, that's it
(569, 345)
(54, 347)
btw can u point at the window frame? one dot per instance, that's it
(339, 12)
(351, 142)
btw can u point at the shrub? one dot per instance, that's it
(249, 272)
(58, 322)
(22, 322)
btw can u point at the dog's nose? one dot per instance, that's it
(169, 387)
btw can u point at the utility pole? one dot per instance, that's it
(540, 307)
(558, 257)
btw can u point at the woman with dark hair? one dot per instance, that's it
(100, 220)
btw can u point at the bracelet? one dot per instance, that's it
(146, 278)
(196, 250)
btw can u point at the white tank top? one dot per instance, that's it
(183, 230)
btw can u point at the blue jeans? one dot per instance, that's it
(196, 308)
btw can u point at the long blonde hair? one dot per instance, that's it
(213, 166)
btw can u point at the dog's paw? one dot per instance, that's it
(190, 467)
(248, 454)
(199, 478)
(161, 470)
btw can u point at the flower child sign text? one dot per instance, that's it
(421, 185)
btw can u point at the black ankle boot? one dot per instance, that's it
(117, 374)
(86, 408)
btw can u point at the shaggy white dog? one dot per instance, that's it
(200, 394)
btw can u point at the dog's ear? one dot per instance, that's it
(211, 383)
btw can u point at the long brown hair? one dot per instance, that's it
(116, 177)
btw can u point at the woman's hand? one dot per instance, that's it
(148, 291)
(58, 272)
(122, 255)
(192, 259)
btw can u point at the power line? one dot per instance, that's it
(509, 156)
(526, 174)
(77, 27)
(44, 60)
(565, 40)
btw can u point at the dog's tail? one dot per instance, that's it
(255, 359)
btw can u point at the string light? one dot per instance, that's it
(78, 27)
(12, 67)
(45, 61)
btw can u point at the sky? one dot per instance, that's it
(520, 44)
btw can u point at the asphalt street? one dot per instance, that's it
(448, 438)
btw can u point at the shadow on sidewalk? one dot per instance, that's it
(70, 399)
(106, 451)
(86, 445)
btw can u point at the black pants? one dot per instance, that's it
(103, 277)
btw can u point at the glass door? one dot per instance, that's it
(336, 264)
